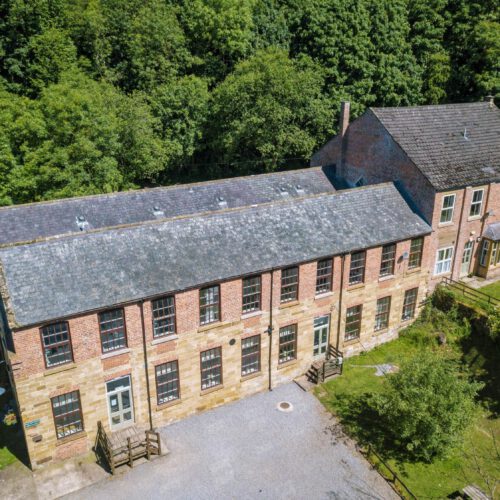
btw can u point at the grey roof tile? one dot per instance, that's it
(492, 231)
(73, 274)
(24, 223)
(433, 138)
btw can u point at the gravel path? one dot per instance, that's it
(248, 450)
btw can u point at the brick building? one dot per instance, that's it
(148, 306)
(446, 159)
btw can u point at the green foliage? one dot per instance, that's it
(427, 406)
(186, 68)
(269, 107)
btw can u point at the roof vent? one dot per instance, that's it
(299, 189)
(82, 223)
(283, 191)
(157, 211)
(221, 201)
(488, 170)
(466, 137)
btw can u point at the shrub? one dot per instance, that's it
(426, 406)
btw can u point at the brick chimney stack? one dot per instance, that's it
(491, 101)
(345, 108)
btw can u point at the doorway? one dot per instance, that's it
(321, 334)
(466, 258)
(120, 407)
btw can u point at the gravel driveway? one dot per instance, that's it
(248, 450)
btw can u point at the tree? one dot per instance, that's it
(427, 406)
(182, 108)
(80, 137)
(268, 109)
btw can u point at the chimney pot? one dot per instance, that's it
(491, 100)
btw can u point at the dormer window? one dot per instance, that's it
(447, 209)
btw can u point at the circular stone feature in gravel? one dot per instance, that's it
(285, 406)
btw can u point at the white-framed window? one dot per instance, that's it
(443, 260)
(476, 204)
(484, 253)
(447, 208)
(494, 252)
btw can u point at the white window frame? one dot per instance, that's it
(485, 247)
(476, 203)
(443, 264)
(447, 209)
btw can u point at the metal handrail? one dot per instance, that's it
(471, 292)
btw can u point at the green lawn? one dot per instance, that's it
(439, 479)
(493, 289)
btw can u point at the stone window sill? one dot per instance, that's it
(112, 354)
(73, 437)
(215, 324)
(167, 338)
(211, 389)
(352, 341)
(323, 295)
(413, 270)
(250, 376)
(381, 331)
(474, 217)
(292, 303)
(387, 278)
(252, 314)
(286, 364)
(445, 224)
(168, 404)
(59, 369)
(356, 286)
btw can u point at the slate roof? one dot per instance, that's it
(492, 231)
(73, 274)
(24, 223)
(433, 138)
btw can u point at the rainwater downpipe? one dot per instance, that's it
(141, 304)
(339, 320)
(270, 329)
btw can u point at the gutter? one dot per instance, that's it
(148, 390)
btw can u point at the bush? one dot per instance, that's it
(426, 406)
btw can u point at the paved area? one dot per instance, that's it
(250, 449)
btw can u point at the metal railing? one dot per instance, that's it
(471, 293)
(389, 475)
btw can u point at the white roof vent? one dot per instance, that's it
(221, 201)
(283, 191)
(158, 212)
(299, 189)
(82, 223)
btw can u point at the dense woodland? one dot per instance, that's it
(106, 95)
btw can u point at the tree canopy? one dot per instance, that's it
(103, 95)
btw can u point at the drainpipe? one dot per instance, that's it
(458, 236)
(141, 304)
(270, 328)
(339, 321)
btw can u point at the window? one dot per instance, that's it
(353, 322)
(415, 257)
(250, 355)
(357, 271)
(382, 313)
(443, 260)
(388, 259)
(483, 259)
(476, 203)
(112, 325)
(209, 305)
(447, 210)
(324, 276)
(56, 344)
(289, 284)
(167, 382)
(288, 343)
(251, 294)
(163, 316)
(211, 368)
(67, 414)
(494, 252)
(409, 304)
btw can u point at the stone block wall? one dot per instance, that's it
(91, 369)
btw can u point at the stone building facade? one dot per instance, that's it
(446, 159)
(155, 320)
